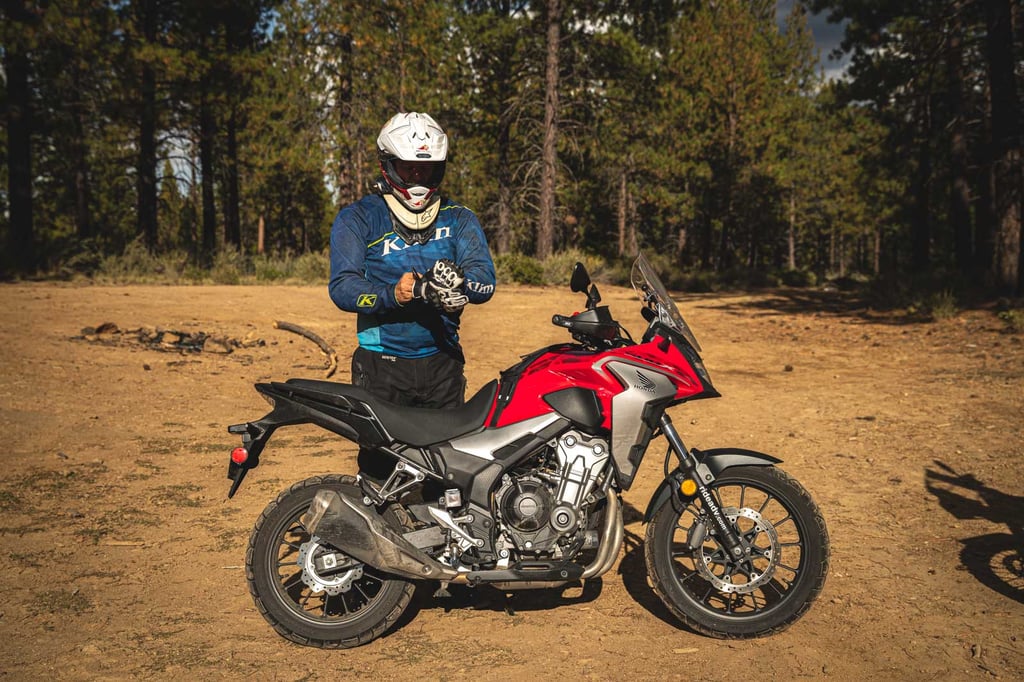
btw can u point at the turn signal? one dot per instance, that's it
(688, 487)
(239, 455)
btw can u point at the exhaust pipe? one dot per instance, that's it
(360, 532)
(611, 539)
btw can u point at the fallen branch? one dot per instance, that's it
(332, 356)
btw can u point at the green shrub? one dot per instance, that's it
(1014, 320)
(558, 267)
(268, 269)
(312, 268)
(515, 267)
(698, 282)
(229, 266)
(671, 275)
(136, 265)
(942, 305)
(798, 278)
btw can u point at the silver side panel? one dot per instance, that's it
(488, 441)
(643, 385)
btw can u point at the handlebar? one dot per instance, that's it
(561, 321)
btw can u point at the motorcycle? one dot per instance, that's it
(520, 488)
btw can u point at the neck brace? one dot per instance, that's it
(414, 221)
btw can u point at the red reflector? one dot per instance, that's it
(239, 455)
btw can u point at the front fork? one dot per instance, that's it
(701, 475)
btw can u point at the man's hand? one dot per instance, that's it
(404, 289)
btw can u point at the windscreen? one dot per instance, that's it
(651, 291)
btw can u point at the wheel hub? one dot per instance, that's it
(722, 571)
(325, 569)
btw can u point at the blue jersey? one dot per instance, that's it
(368, 258)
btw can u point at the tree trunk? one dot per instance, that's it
(348, 184)
(876, 255)
(792, 231)
(80, 162)
(984, 206)
(505, 239)
(549, 155)
(232, 219)
(206, 137)
(920, 219)
(960, 194)
(21, 238)
(1006, 147)
(146, 220)
(621, 216)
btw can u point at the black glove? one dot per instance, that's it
(441, 286)
(447, 275)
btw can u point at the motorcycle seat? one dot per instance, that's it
(416, 426)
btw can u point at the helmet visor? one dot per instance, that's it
(423, 173)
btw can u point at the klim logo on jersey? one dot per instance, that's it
(366, 300)
(395, 244)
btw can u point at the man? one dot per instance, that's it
(407, 261)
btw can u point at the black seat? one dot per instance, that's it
(417, 426)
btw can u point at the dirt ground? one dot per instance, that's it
(122, 556)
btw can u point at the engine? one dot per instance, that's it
(543, 507)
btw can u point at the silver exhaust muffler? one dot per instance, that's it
(357, 530)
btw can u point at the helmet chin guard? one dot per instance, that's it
(413, 227)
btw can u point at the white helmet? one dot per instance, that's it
(412, 149)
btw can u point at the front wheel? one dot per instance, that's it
(311, 592)
(771, 586)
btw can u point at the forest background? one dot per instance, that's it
(191, 140)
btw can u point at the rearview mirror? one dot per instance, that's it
(580, 283)
(580, 279)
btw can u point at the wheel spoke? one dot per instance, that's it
(689, 574)
(729, 601)
(361, 592)
(291, 580)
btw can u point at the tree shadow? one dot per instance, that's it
(840, 304)
(855, 304)
(997, 559)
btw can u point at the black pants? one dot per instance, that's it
(434, 381)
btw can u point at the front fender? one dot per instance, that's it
(717, 461)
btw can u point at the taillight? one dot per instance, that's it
(239, 455)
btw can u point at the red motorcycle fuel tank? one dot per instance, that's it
(569, 366)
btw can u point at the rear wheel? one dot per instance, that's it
(311, 592)
(767, 590)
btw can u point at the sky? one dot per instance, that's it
(826, 36)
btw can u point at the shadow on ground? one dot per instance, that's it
(996, 559)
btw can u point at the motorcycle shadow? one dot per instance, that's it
(429, 597)
(996, 560)
(633, 569)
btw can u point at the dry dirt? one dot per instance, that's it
(122, 557)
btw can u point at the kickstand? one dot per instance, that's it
(442, 591)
